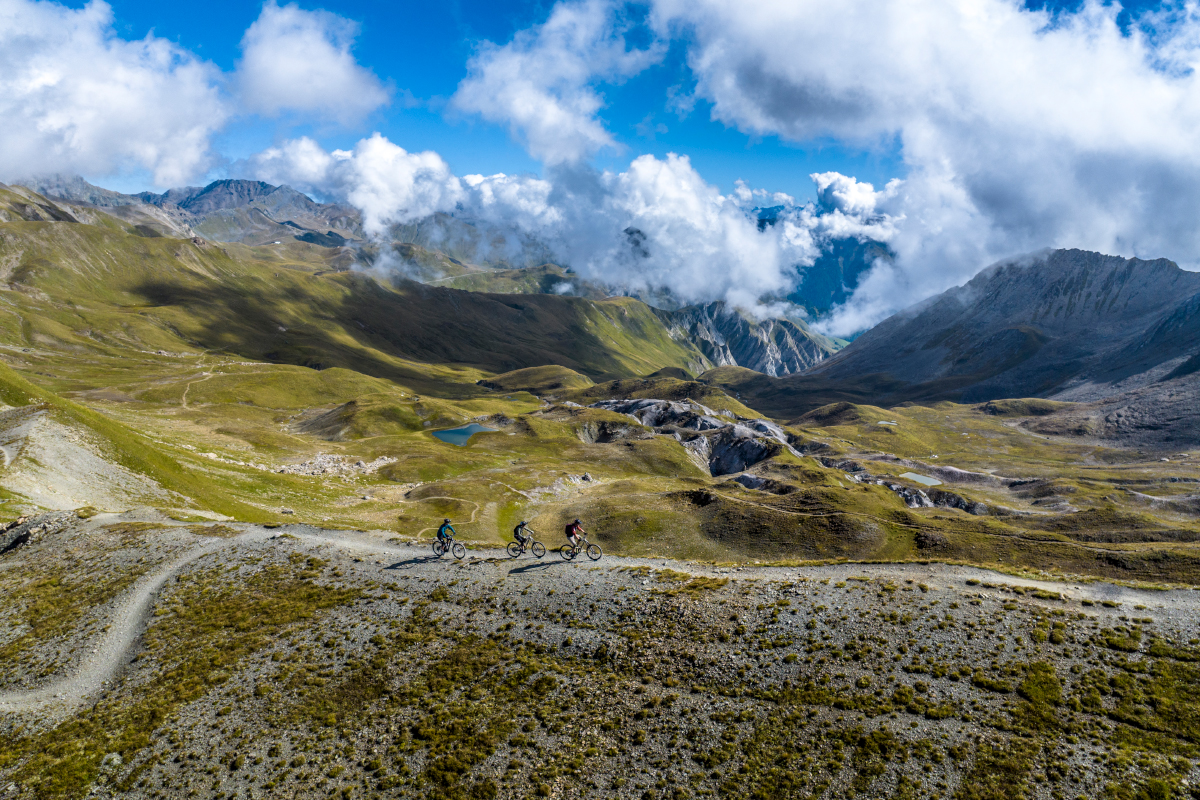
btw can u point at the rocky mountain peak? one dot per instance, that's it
(1041, 325)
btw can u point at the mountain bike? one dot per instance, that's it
(451, 546)
(515, 549)
(568, 551)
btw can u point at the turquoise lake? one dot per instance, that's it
(460, 436)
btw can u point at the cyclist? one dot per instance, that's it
(523, 534)
(574, 531)
(442, 535)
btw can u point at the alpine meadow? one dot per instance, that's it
(594, 399)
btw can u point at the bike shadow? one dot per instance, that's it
(412, 562)
(536, 565)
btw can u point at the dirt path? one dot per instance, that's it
(183, 398)
(110, 650)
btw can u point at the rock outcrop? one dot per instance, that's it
(26, 530)
(717, 443)
(912, 496)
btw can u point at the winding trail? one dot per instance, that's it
(111, 649)
(124, 627)
(129, 621)
(183, 397)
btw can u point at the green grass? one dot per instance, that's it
(127, 447)
(538, 380)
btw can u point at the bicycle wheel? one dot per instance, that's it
(594, 552)
(567, 552)
(460, 551)
(539, 549)
(514, 549)
(438, 549)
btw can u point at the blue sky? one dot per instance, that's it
(955, 133)
(421, 50)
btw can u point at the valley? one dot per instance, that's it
(220, 482)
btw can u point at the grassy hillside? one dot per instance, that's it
(130, 449)
(539, 380)
(96, 288)
(544, 279)
(258, 383)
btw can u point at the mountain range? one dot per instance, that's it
(1120, 336)
(442, 247)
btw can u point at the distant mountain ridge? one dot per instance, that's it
(1066, 324)
(1119, 336)
(233, 210)
(213, 197)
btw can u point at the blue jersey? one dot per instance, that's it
(445, 527)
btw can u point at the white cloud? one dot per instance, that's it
(655, 228)
(386, 182)
(698, 243)
(539, 84)
(296, 60)
(1020, 129)
(76, 97)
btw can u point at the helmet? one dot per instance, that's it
(447, 519)
(522, 522)
(576, 522)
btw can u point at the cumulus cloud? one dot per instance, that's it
(540, 83)
(1020, 129)
(657, 228)
(297, 60)
(76, 97)
(387, 183)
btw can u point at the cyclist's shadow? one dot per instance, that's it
(413, 562)
(536, 565)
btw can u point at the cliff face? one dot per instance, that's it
(728, 338)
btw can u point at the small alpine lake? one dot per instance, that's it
(460, 436)
(922, 479)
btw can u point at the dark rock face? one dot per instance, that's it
(728, 338)
(24, 530)
(737, 448)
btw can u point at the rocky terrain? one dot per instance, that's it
(312, 663)
(720, 443)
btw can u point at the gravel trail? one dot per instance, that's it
(110, 650)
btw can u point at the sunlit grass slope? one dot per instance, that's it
(95, 287)
(132, 450)
(210, 368)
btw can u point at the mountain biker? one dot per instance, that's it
(523, 534)
(574, 531)
(442, 535)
